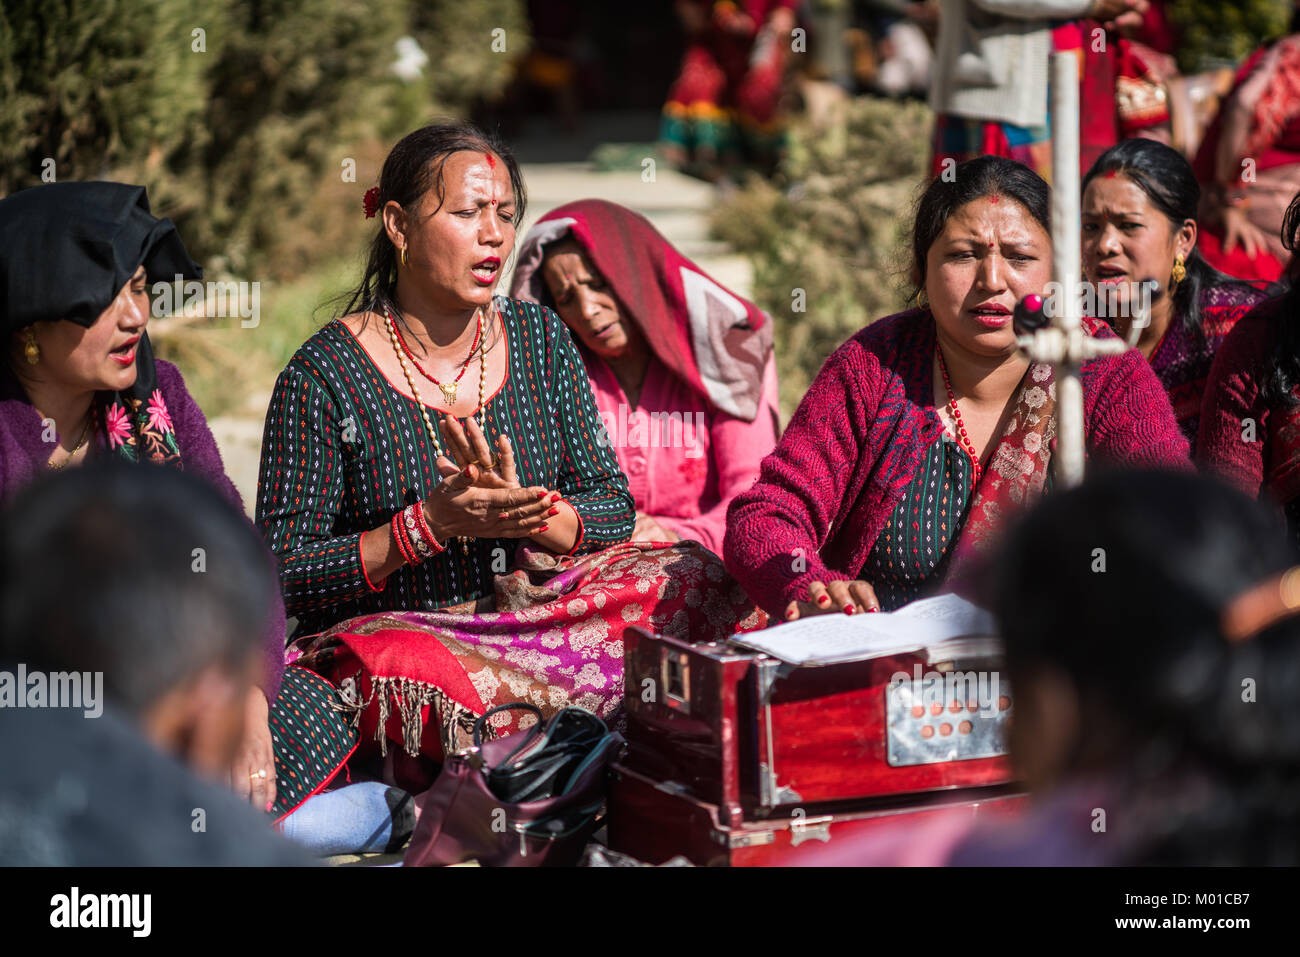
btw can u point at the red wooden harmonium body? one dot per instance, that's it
(755, 739)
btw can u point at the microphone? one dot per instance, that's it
(1028, 316)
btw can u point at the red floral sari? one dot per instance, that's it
(1017, 474)
(550, 634)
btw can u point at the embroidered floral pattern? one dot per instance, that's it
(159, 418)
(118, 426)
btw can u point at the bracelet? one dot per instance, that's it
(403, 543)
(415, 534)
(423, 524)
(418, 545)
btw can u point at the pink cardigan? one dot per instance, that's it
(683, 477)
(858, 437)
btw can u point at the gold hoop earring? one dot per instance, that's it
(1178, 274)
(30, 348)
(404, 258)
(922, 299)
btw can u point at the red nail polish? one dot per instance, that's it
(269, 806)
(503, 516)
(542, 528)
(554, 511)
(541, 495)
(849, 609)
(823, 599)
(555, 497)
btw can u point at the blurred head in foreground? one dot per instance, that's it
(149, 577)
(1150, 657)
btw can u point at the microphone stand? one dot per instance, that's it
(1060, 339)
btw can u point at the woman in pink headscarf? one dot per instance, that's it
(681, 367)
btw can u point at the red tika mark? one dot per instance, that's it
(995, 198)
(491, 160)
(1111, 173)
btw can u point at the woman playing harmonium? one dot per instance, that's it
(924, 431)
(451, 533)
(681, 368)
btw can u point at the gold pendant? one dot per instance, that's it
(448, 392)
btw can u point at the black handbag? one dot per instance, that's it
(545, 760)
(527, 799)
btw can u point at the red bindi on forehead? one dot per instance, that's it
(995, 198)
(491, 160)
(1111, 173)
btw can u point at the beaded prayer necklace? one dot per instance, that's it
(966, 444)
(399, 348)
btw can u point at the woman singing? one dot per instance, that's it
(924, 431)
(433, 482)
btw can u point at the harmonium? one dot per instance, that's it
(825, 729)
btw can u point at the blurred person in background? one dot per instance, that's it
(97, 576)
(664, 347)
(1139, 223)
(925, 432)
(1249, 161)
(1250, 418)
(724, 105)
(80, 384)
(892, 48)
(990, 84)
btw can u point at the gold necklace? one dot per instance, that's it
(85, 434)
(448, 388)
(415, 392)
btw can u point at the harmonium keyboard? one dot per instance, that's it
(741, 751)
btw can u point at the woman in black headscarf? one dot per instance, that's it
(80, 381)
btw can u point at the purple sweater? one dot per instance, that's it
(856, 440)
(23, 456)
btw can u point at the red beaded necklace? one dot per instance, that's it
(953, 411)
(448, 389)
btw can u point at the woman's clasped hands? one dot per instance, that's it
(480, 495)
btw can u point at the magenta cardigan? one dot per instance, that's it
(858, 437)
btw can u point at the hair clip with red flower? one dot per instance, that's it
(370, 202)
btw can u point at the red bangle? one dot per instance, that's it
(415, 534)
(420, 520)
(396, 527)
(399, 536)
